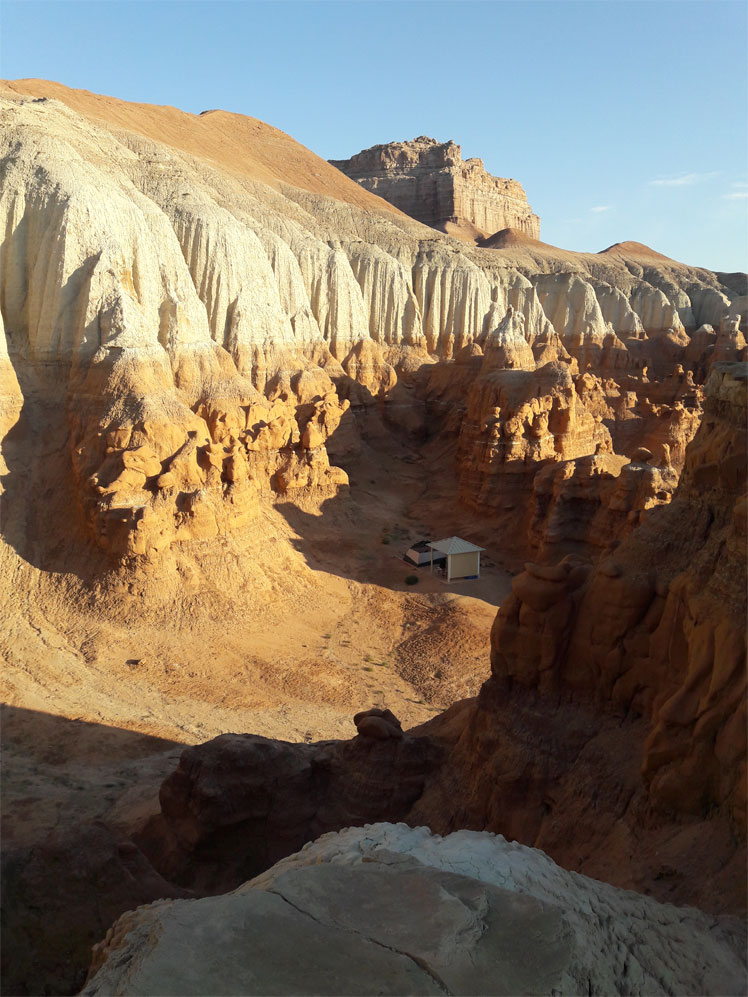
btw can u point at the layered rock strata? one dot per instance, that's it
(659, 635)
(632, 664)
(650, 634)
(431, 182)
(205, 322)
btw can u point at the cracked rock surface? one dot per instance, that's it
(388, 909)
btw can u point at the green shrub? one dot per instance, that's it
(411, 580)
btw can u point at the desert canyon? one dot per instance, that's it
(236, 383)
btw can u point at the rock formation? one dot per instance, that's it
(209, 336)
(201, 319)
(657, 635)
(97, 874)
(430, 181)
(638, 641)
(239, 803)
(206, 327)
(648, 631)
(392, 910)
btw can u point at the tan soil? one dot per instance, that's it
(509, 237)
(323, 625)
(634, 251)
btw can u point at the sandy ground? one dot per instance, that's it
(285, 632)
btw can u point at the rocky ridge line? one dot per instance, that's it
(207, 334)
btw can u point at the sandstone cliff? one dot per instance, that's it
(200, 320)
(657, 634)
(430, 181)
(207, 331)
(611, 731)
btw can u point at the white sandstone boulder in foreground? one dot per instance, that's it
(387, 909)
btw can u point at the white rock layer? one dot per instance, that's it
(387, 909)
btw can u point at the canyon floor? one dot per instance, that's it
(99, 711)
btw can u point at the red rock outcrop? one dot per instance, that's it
(541, 448)
(151, 472)
(659, 634)
(611, 732)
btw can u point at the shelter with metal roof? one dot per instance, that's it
(463, 558)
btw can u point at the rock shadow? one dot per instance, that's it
(40, 516)
(403, 488)
(67, 874)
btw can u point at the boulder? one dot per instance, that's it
(392, 910)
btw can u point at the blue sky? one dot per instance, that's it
(623, 120)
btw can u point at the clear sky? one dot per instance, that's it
(623, 120)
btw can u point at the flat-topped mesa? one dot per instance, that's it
(431, 182)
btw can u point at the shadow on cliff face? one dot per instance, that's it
(69, 869)
(562, 775)
(547, 754)
(40, 516)
(403, 488)
(239, 803)
(363, 533)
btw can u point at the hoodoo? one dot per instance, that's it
(236, 387)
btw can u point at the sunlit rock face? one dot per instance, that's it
(204, 324)
(189, 334)
(431, 182)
